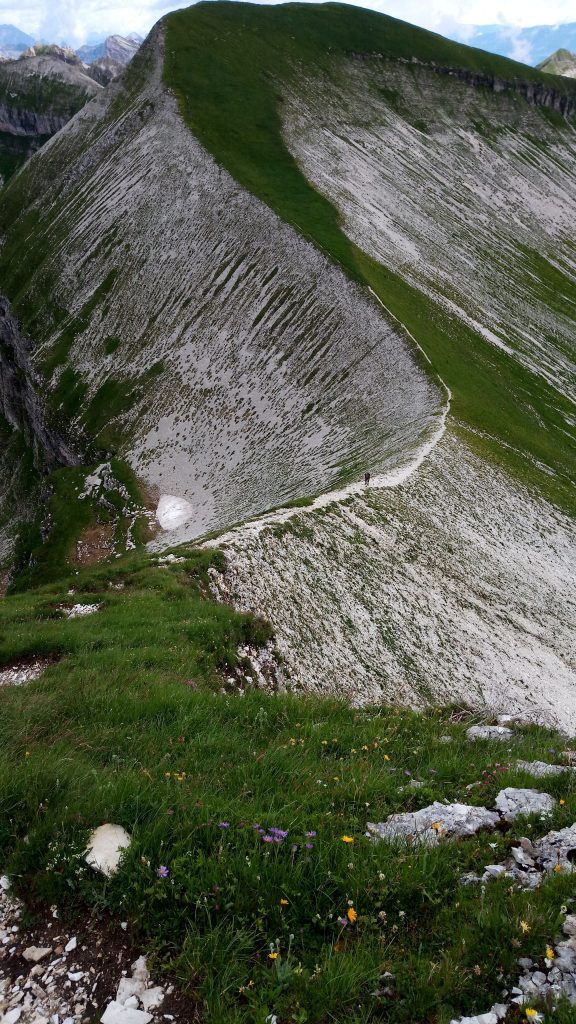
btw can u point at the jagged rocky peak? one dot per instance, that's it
(562, 62)
(116, 48)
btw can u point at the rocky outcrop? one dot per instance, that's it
(534, 92)
(537, 94)
(29, 122)
(20, 401)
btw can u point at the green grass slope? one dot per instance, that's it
(231, 66)
(129, 724)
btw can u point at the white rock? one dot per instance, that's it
(539, 769)
(36, 953)
(132, 1002)
(4, 882)
(12, 1015)
(449, 819)
(105, 848)
(152, 998)
(140, 970)
(115, 1013)
(496, 1013)
(489, 732)
(75, 975)
(129, 987)
(78, 611)
(494, 871)
(569, 926)
(70, 945)
(514, 802)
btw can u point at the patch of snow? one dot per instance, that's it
(173, 511)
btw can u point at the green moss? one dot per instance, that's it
(77, 325)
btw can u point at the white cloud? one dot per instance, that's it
(75, 20)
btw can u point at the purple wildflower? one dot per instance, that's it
(309, 846)
(278, 832)
(223, 824)
(342, 921)
(268, 839)
(310, 835)
(162, 871)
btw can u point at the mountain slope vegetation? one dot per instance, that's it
(292, 244)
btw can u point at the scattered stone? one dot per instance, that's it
(432, 823)
(105, 848)
(494, 871)
(25, 672)
(513, 802)
(12, 1016)
(539, 769)
(78, 611)
(36, 953)
(415, 784)
(489, 732)
(4, 883)
(70, 945)
(496, 1013)
(116, 1013)
(127, 988)
(445, 739)
(152, 998)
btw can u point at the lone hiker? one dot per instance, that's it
(366, 479)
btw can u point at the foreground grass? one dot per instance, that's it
(114, 731)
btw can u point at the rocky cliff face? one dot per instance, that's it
(38, 95)
(21, 401)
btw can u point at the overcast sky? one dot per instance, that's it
(75, 20)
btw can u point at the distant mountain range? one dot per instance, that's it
(14, 42)
(527, 45)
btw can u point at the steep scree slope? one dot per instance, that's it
(224, 356)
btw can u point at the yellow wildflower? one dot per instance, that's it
(524, 927)
(283, 903)
(27, 753)
(530, 1013)
(550, 954)
(558, 868)
(561, 802)
(436, 826)
(351, 915)
(347, 839)
(386, 758)
(272, 956)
